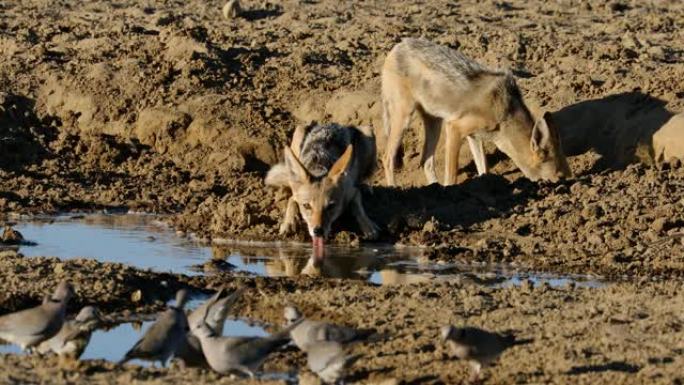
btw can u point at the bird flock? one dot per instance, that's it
(195, 339)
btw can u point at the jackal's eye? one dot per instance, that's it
(306, 206)
(330, 204)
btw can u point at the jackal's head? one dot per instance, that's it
(538, 153)
(321, 199)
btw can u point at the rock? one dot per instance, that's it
(659, 225)
(11, 236)
(136, 296)
(231, 10)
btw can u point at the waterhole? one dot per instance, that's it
(144, 241)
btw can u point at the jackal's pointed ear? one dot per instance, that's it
(342, 164)
(298, 173)
(541, 135)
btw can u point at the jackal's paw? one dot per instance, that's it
(287, 228)
(371, 231)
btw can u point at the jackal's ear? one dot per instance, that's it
(298, 173)
(541, 136)
(341, 165)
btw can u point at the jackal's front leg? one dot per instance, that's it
(453, 146)
(368, 227)
(289, 224)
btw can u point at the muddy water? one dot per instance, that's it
(145, 242)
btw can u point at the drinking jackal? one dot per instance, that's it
(323, 167)
(471, 101)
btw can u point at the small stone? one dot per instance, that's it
(657, 53)
(136, 296)
(595, 239)
(231, 10)
(11, 236)
(659, 225)
(430, 226)
(58, 269)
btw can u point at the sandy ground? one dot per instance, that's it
(167, 107)
(623, 333)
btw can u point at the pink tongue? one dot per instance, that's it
(318, 242)
(318, 246)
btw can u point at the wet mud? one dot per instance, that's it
(169, 108)
(624, 332)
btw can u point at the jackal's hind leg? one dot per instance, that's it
(289, 224)
(433, 129)
(368, 227)
(399, 106)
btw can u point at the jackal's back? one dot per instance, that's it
(455, 66)
(322, 146)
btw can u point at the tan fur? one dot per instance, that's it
(341, 165)
(469, 101)
(321, 200)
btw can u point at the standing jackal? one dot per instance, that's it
(323, 167)
(471, 101)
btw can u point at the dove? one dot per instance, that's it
(329, 361)
(238, 354)
(479, 347)
(164, 336)
(74, 335)
(216, 308)
(310, 331)
(28, 328)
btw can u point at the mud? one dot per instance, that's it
(171, 108)
(625, 332)
(167, 107)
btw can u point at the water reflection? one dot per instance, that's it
(382, 266)
(143, 241)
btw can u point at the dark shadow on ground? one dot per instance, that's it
(23, 136)
(615, 366)
(258, 14)
(460, 206)
(620, 128)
